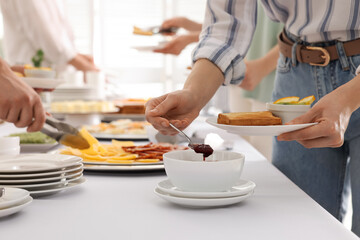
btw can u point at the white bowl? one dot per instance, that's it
(187, 170)
(287, 112)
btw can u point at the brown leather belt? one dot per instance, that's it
(317, 56)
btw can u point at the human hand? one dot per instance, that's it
(178, 107)
(178, 44)
(181, 22)
(253, 75)
(19, 103)
(332, 117)
(83, 63)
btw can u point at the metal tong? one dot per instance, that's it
(64, 133)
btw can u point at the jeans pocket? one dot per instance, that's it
(354, 63)
(283, 65)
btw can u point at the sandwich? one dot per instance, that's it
(249, 119)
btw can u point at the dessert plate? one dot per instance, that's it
(61, 182)
(243, 187)
(273, 130)
(26, 163)
(12, 197)
(74, 168)
(45, 83)
(17, 208)
(46, 179)
(45, 192)
(201, 202)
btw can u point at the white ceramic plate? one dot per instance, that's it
(201, 202)
(61, 182)
(26, 163)
(46, 83)
(122, 164)
(15, 209)
(46, 179)
(273, 130)
(41, 193)
(12, 197)
(37, 147)
(120, 136)
(78, 166)
(120, 168)
(243, 187)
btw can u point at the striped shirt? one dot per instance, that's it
(229, 26)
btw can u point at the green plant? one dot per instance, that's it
(38, 58)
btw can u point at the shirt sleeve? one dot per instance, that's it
(226, 35)
(44, 26)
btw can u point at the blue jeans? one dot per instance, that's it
(326, 174)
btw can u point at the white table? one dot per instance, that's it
(123, 206)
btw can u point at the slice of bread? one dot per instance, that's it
(249, 119)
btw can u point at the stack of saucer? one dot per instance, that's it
(41, 174)
(13, 200)
(241, 191)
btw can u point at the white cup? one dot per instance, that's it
(9, 145)
(187, 170)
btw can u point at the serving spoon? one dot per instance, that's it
(205, 149)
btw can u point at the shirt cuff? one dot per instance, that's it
(357, 70)
(226, 58)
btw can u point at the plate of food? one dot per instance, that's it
(35, 142)
(266, 123)
(83, 107)
(119, 129)
(120, 155)
(253, 124)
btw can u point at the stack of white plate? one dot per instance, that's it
(75, 93)
(41, 174)
(13, 200)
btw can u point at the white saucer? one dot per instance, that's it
(15, 209)
(201, 202)
(242, 187)
(45, 192)
(273, 130)
(12, 197)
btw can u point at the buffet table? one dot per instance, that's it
(122, 205)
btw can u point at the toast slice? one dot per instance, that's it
(249, 119)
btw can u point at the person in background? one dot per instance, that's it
(320, 56)
(40, 24)
(176, 45)
(19, 103)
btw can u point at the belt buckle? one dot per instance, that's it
(325, 56)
